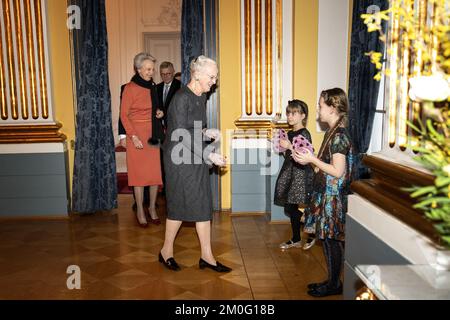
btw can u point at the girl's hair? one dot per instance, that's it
(336, 98)
(299, 106)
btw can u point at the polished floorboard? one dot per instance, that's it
(119, 260)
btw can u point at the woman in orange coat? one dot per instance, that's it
(143, 160)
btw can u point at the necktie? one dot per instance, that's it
(165, 92)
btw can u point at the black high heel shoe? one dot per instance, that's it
(218, 267)
(170, 263)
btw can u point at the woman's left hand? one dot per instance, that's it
(304, 157)
(212, 133)
(159, 114)
(218, 159)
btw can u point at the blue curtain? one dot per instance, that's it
(94, 177)
(363, 89)
(192, 35)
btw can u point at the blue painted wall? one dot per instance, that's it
(254, 172)
(34, 185)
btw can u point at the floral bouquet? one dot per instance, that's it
(430, 90)
(301, 144)
(279, 135)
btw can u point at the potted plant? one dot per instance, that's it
(430, 87)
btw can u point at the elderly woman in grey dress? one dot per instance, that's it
(187, 160)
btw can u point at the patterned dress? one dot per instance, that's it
(294, 181)
(325, 215)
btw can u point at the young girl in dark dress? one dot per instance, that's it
(293, 186)
(333, 170)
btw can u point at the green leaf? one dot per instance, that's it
(442, 181)
(438, 213)
(442, 228)
(432, 215)
(423, 191)
(411, 189)
(437, 200)
(423, 161)
(413, 127)
(432, 160)
(446, 239)
(445, 216)
(419, 149)
(433, 131)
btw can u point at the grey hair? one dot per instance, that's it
(166, 64)
(140, 58)
(199, 63)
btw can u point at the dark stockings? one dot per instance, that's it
(292, 211)
(334, 255)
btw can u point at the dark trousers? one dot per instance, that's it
(333, 251)
(292, 211)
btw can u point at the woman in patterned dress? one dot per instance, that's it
(333, 170)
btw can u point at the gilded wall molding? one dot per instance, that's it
(24, 71)
(266, 80)
(257, 129)
(31, 134)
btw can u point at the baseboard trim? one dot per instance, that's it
(280, 222)
(247, 214)
(33, 218)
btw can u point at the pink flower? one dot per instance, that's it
(301, 144)
(277, 137)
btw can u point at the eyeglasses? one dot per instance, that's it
(166, 74)
(212, 78)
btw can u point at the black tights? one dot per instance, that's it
(292, 211)
(334, 256)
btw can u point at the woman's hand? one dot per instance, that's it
(123, 142)
(303, 157)
(218, 159)
(212, 133)
(286, 144)
(159, 114)
(137, 142)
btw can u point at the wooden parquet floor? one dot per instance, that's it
(119, 260)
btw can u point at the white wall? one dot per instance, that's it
(402, 238)
(333, 45)
(127, 20)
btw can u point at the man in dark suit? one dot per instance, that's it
(166, 90)
(123, 143)
(167, 87)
